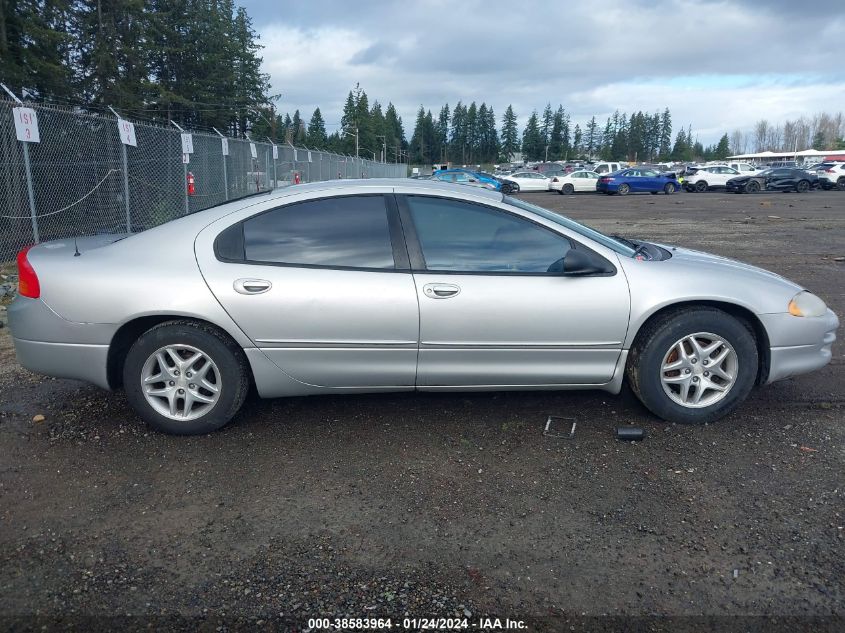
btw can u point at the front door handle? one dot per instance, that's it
(441, 291)
(252, 286)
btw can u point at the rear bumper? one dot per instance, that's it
(65, 360)
(799, 345)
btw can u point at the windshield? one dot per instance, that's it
(605, 240)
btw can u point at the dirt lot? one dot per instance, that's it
(449, 504)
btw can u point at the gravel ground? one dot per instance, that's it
(448, 505)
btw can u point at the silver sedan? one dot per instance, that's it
(397, 285)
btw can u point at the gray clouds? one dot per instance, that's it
(717, 65)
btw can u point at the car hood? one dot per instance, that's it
(724, 264)
(691, 275)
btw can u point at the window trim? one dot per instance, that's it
(401, 261)
(417, 258)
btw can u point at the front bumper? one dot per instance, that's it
(799, 344)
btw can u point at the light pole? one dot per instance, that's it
(356, 139)
(383, 147)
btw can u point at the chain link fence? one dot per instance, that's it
(80, 179)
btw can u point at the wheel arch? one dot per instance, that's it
(761, 337)
(130, 331)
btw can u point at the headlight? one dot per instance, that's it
(806, 304)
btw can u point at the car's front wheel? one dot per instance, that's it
(185, 378)
(701, 186)
(694, 365)
(752, 187)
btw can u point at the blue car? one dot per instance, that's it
(638, 180)
(468, 177)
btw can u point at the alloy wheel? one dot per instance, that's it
(181, 382)
(699, 370)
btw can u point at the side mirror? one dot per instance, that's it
(582, 263)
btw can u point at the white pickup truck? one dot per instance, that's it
(744, 168)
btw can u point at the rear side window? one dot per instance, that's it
(458, 236)
(346, 232)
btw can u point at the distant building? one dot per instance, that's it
(804, 156)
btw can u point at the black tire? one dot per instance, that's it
(506, 188)
(567, 189)
(803, 186)
(654, 193)
(669, 189)
(226, 355)
(658, 337)
(623, 189)
(701, 186)
(841, 183)
(752, 186)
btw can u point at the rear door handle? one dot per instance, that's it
(252, 286)
(441, 291)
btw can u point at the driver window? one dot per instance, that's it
(458, 236)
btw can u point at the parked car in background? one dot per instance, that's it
(700, 179)
(831, 175)
(636, 180)
(389, 285)
(577, 181)
(608, 168)
(466, 177)
(744, 168)
(781, 179)
(530, 181)
(782, 163)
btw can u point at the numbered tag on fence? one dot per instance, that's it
(294, 154)
(186, 158)
(187, 144)
(275, 152)
(126, 130)
(252, 150)
(26, 125)
(224, 142)
(309, 158)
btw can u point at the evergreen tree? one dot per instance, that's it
(723, 148)
(533, 146)
(548, 124)
(665, 134)
(317, 131)
(592, 138)
(458, 139)
(510, 135)
(442, 133)
(472, 132)
(577, 138)
(394, 132)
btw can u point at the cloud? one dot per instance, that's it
(717, 65)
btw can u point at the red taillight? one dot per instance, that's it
(28, 285)
(830, 171)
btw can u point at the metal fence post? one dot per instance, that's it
(30, 192)
(126, 188)
(223, 156)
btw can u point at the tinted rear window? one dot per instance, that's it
(337, 232)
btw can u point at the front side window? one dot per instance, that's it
(337, 232)
(458, 236)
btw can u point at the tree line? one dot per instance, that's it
(196, 62)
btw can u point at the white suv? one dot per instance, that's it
(831, 175)
(709, 177)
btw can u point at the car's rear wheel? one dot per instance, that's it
(623, 189)
(752, 187)
(567, 189)
(669, 188)
(185, 378)
(694, 365)
(803, 186)
(701, 186)
(841, 183)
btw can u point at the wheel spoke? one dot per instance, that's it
(684, 393)
(678, 364)
(709, 349)
(675, 379)
(171, 391)
(720, 358)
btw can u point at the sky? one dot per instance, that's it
(718, 66)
